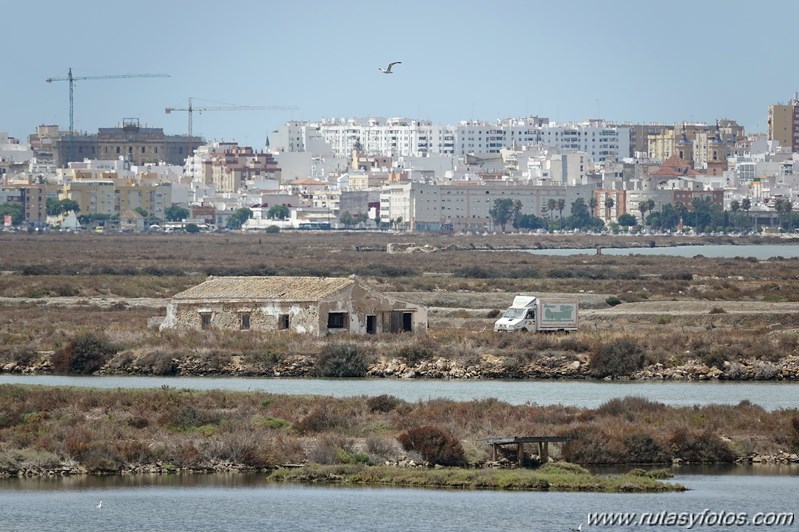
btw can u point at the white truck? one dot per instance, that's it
(528, 313)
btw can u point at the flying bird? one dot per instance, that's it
(387, 70)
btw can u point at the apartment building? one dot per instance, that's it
(400, 137)
(465, 206)
(113, 196)
(230, 167)
(783, 123)
(33, 198)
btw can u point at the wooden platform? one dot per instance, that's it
(542, 441)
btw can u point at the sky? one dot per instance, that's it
(621, 60)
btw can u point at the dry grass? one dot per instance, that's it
(105, 278)
(111, 429)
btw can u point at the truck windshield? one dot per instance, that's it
(514, 313)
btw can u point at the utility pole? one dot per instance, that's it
(72, 79)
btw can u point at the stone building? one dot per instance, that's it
(306, 305)
(137, 145)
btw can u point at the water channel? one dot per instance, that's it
(247, 502)
(758, 251)
(589, 394)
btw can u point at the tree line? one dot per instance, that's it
(703, 215)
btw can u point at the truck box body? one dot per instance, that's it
(528, 313)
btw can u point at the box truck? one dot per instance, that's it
(529, 313)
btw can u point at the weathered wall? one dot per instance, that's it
(304, 317)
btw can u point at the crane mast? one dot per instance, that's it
(72, 79)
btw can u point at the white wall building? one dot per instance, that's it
(399, 137)
(12, 151)
(465, 206)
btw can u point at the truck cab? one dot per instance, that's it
(520, 316)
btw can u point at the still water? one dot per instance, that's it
(246, 502)
(588, 394)
(762, 252)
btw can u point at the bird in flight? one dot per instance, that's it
(387, 70)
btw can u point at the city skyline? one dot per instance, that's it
(693, 61)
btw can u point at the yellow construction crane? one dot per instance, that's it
(190, 109)
(72, 79)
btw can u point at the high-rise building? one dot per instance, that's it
(783, 124)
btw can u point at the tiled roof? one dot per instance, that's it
(266, 288)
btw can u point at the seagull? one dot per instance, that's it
(100, 505)
(387, 70)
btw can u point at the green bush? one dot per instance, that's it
(617, 358)
(83, 355)
(272, 229)
(434, 444)
(341, 360)
(613, 301)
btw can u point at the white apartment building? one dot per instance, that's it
(465, 206)
(400, 137)
(12, 151)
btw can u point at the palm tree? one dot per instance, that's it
(552, 204)
(746, 204)
(592, 205)
(784, 208)
(561, 206)
(609, 203)
(735, 207)
(643, 206)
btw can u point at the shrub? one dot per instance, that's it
(613, 301)
(341, 360)
(413, 354)
(272, 229)
(321, 419)
(434, 444)
(704, 447)
(715, 358)
(677, 276)
(382, 403)
(617, 358)
(644, 449)
(473, 272)
(83, 355)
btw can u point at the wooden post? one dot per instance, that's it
(520, 447)
(545, 454)
(493, 452)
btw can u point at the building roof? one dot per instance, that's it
(266, 288)
(675, 166)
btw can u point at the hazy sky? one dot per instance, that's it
(635, 60)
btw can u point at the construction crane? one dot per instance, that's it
(72, 79)
(190, 110)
